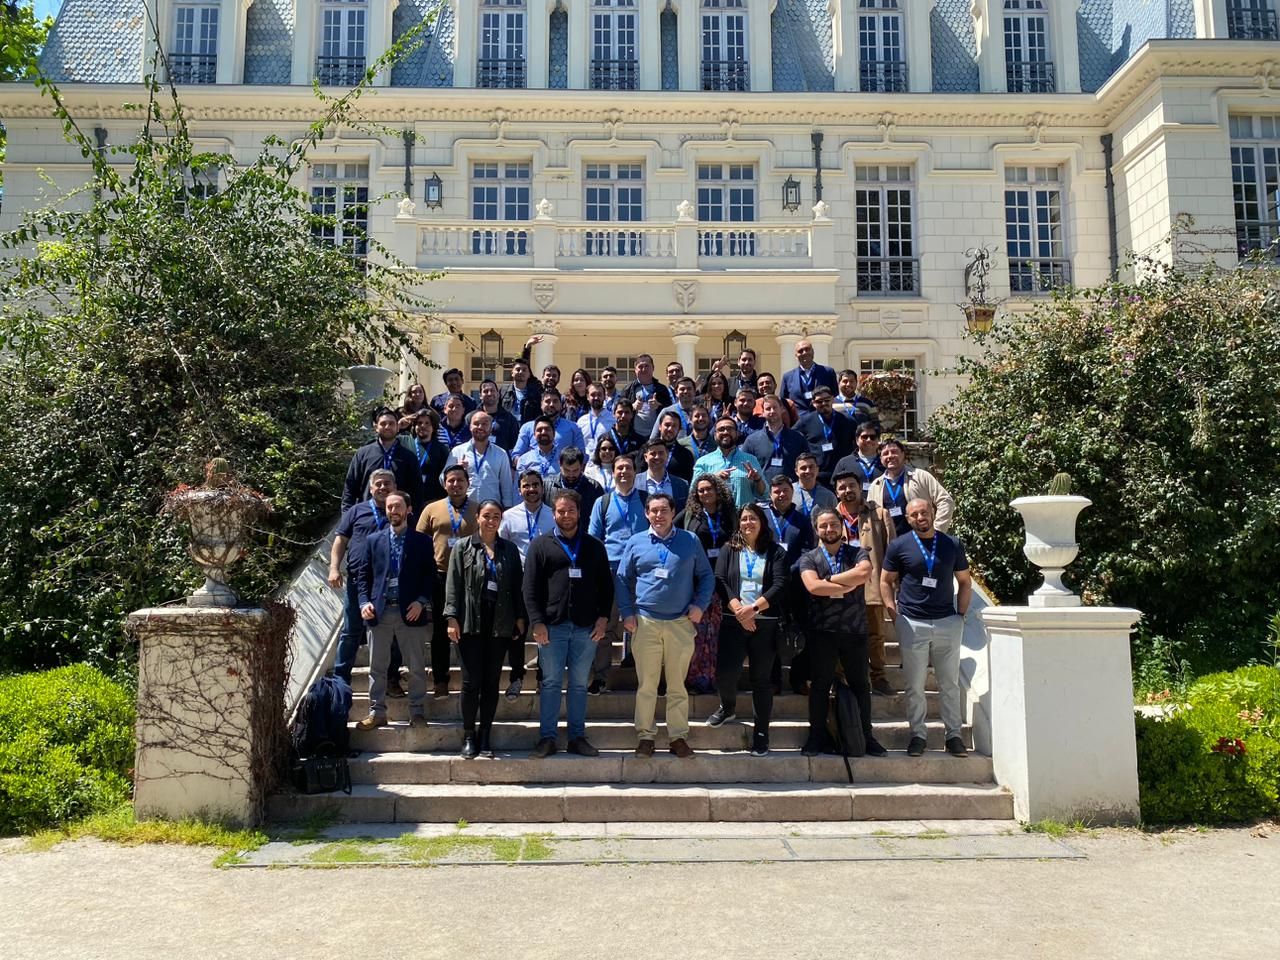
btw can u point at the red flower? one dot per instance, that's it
(1231, 746)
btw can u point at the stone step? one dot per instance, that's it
(621, 705)
(621, 735)
(673, 802)
(623, 766)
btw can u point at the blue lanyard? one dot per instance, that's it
(531, 521)
(456, 438)
(780, 524)
(684, 421)
(663, 553)
(850, 526)
(777, 442)
(455, 521)
(752, 559)
(489, 565)
(624, 508)
(644, 393)
(594, 423)
(868, 467)
(895, 491)
(423, 454)
(826, 428)
(547, 462)
(834, 561)
(929, 557)
(714, 524)
(397, 551)
(807, 382)
(806, 506)
(388, 458)
(572, 554)
(477, 459)
(379, 519)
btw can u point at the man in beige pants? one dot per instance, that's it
(664, 583)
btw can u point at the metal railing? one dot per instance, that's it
(1034, 275)
(615, 75)
(1253, 236)
(339, 71)
(501, 74)
(1245, 23)
(882, 76)
(725, 75)
(888, 276)
(1029, 76)
(193, 67)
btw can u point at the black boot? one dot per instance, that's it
(469, 750)
(486, 747)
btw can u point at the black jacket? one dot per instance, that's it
(464, 586)
(532, 408)
(431, 461)
(728, 520)
(552, 597)
(370, 458)
(371, 567)
(814, 430)
(773, 585)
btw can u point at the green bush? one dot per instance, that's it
(66, 747)
(1182, 778)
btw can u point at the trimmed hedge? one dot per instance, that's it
(1217, 759)
(66, 746)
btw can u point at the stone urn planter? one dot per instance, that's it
(219, 514)
(1051, 544)
(370, 383)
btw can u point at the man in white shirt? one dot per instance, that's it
(530, 517)
(488, 466)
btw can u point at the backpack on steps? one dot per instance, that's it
(321, 739)
(845, 725)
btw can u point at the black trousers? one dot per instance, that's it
(850, 649)
(515, 656)
(439, 637)
(760, 648)
(482, 658)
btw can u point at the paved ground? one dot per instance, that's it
(1131, 895)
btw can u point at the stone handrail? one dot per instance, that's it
(319, 611)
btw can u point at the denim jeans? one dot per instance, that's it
(570, 646)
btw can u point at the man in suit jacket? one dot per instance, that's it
(656, 478)
(395, 574)
(798, 384)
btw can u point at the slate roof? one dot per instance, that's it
(96, 41)
(268, 41)
(802, 43)
(431, 64)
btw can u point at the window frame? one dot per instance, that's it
(620, 70)
(1042, 192)
(881, 74)
(502, 60)
(888, 280)
(1034, 70)
(1261, 192)
(198, 62)
(721, 242)
(726, 71)
(507, 178)
(341, 189)
(614, 242)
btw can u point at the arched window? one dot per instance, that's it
(1028, 67)
(882, 65)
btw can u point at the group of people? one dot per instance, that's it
(694, 524)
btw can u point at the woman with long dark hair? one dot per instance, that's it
(415, 401)
(575, 398)
(711, 517)
(751, 579)
(600, 469)
(718, 400)
(484, 606)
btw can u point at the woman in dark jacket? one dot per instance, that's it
(484, 605)
(751, 579)
(710, 516)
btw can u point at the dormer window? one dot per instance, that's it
(614, 65)
(502, 45)
(1028, 68)
(194, 57)
(1251, 20)
(882, 67)
(343, 39)
(724, 45)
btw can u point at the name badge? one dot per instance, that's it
(775, 462)
(491, 585)
(453, 541)
(828, 447)
(855, 543)
(929, 582)
(895, 511)
(575, 573)
(808, 394)
(713, 553)
(866, 487)
(393, 583)
(661, 573)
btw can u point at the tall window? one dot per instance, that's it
(500, 191)
(726, 194)
(613, 45)
(911, 412)
(1251, 20)
(881, 66)
(724, 45)
(625, 366)
(1028, 68)
(1255, 182)
(502, 44)
(614, 193)
(342, 42)
(1034, 239)
(885, 239)
(340, 195)
(194, 58)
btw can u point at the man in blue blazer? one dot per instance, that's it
(395, 572)
(798, 384)
(657, 478)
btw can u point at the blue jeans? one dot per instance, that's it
(572, 646)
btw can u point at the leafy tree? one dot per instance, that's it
(1160, 397)
(22, 37)
(148, 325)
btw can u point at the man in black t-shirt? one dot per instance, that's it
(833, 573)
(916, 586)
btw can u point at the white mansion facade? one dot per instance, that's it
(679, 177)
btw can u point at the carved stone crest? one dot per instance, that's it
(686, 292)
(544, 294)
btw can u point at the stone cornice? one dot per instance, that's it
(1249, 65)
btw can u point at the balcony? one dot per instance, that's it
(1252, 24)
(888, 276)
(882, 76)
(730, 75)
(1258, 236)
(614, 75)
(339, 71)
(500, 74)
(193, 67)
(1030, 76)
(1038, 275)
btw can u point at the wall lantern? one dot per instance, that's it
(491, 348)
(791, 194)
(433, 194)
(979, 311)
(734, 343)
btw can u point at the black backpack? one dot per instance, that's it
(846, 726)
(321, 739)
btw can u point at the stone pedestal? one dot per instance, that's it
(1062, 731)
(202, 712)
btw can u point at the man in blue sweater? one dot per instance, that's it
(664, 584)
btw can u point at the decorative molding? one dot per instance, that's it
(821, 328)
(405, 208)
(686, 292)
(685, 212)
(884, 125)
(1035, 126)
(438, 331)
(822, 211)
(789, 328)
(686, 328)
(544, 327)
(544, 295)
(545, 209)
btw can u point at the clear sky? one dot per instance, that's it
(47, 8)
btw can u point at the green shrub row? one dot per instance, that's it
(1217, 758)
(66, 747)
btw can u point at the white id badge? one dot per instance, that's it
(491, 585)
(775, 462)
(929, 582)
(575, 573)
(453, 541)
(808, 394)
(855, 543)
(713, 553)
(866, 487)
(895, 511)
(828, 447)
(393, 583)
(662, 573)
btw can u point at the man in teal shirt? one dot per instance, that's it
(740, 470)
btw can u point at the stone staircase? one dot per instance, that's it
(416, 775)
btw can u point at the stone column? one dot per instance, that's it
(438, 339)
(821, 333)
(649, 43)
(544, 353)
(1062, 728)
(207, 703)
(786, 333)
(689, 43)
(685, 336)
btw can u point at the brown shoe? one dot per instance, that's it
(582, 747)
(394, 689)
(644, 748)
(441, 691)
(680, 748)
(371, 722)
